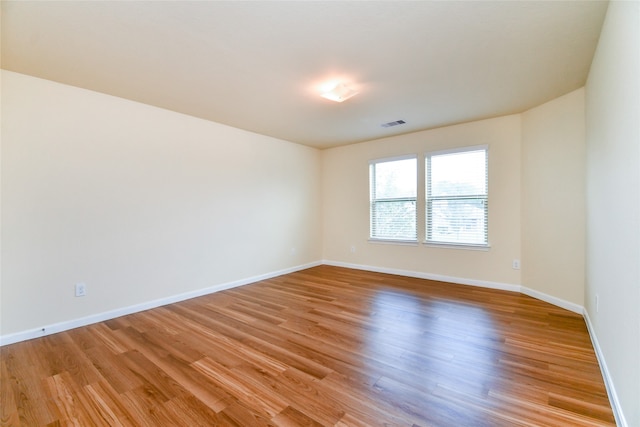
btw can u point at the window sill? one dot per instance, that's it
(463, 246)
(394, 242)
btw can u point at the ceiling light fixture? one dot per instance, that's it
(338, 92)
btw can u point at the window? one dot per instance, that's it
(393, 187)
(456, 197)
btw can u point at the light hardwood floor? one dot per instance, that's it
(326, 346)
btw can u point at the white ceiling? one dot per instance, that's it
(258, 65)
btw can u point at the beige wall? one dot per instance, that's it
(346, 204)
(553, 198)
(613, 200)
(543, 150)
(139, 203)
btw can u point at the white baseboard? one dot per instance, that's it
(429, 276)
(552, 300)
(100, 317)
(559, 302)
(465, 281)
(112, 314)
(608, 381)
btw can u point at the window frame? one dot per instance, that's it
(428, 199)
(373, 200)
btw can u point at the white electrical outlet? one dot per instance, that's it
(81, 289)
(353, 249)
(516, 264)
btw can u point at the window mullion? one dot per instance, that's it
(428, 207)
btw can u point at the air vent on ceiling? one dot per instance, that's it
(396, 123)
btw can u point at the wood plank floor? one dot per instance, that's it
(326, 346)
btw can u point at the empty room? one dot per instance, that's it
(322, 213)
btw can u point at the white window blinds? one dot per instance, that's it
(393, 191)
(456, 197)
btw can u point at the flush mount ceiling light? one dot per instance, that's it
(338, 92)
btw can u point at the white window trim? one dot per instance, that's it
(458, 150)
(464, 246)
(402, 242)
